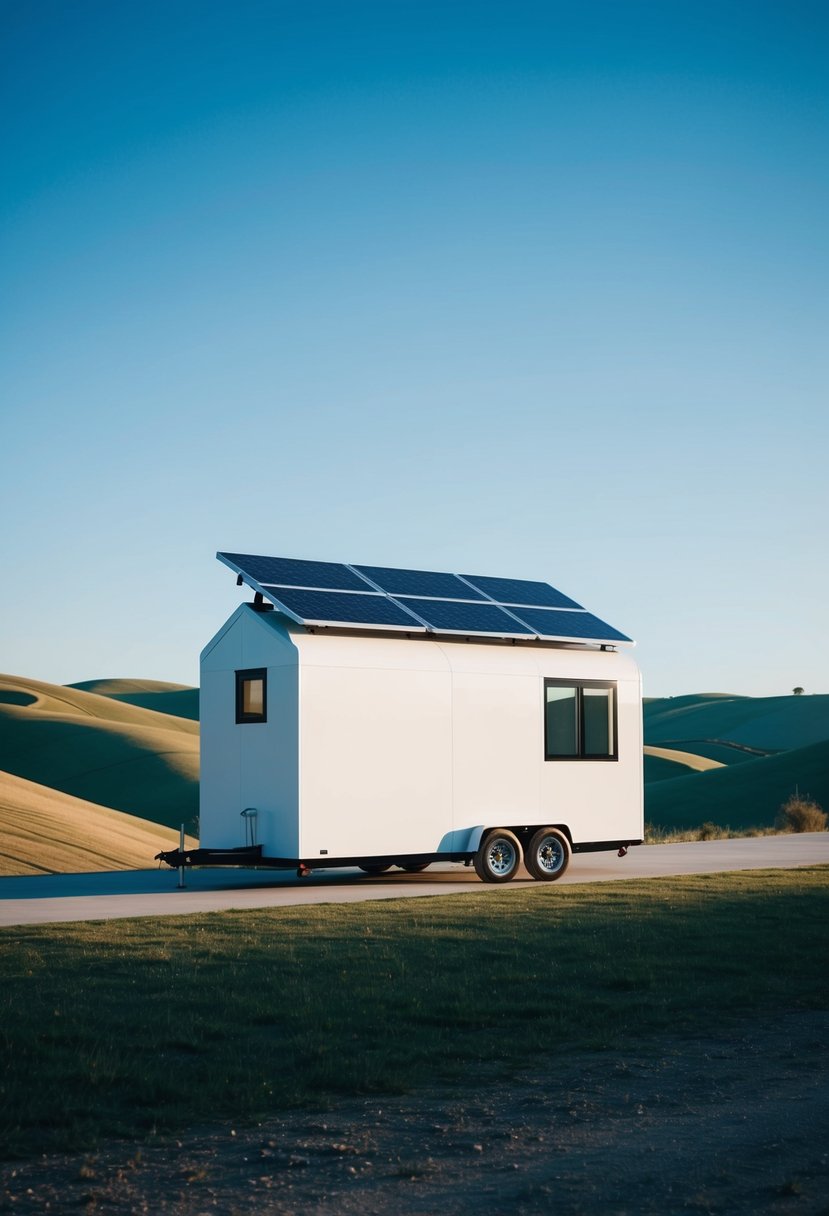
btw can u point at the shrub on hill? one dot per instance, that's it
(800, 815)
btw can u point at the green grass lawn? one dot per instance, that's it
(124, 1028)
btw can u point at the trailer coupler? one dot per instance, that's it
(623, 852)
(302, 870)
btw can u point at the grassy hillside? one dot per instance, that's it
(740, 796)
(766, 723)
(131, 746)
(100, 749)
(769, 746)
(45, 832)
(180, 700)
(657, 768)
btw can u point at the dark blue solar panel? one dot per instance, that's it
(578, 625)
(520, 591)
(445, 615)
(419, 582)
(335, 606)
(315, 592)
(293, 572)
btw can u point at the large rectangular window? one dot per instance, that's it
(580, 720)
(252, 695)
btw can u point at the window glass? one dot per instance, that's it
(253, 696)
(562, 720)
(598, 722)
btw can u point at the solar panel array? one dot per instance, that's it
(418, 601)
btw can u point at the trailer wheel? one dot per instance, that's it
(415, 867)
(374, 869)
(498, 857)
(548, 854)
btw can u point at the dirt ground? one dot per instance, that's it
(737, 1122)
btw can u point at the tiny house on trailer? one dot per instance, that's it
(366, 716)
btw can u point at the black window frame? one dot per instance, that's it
(251, 673)
(579, 686)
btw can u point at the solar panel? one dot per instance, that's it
(548, 623)
(383, 597)
(420, 582)
(294, 572)
(340, 607)
(520, 591)
(450, 616)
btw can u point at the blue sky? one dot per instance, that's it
(527, 289)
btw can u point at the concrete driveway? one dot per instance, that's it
(47, 899)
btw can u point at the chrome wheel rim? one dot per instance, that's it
(550, 854)
(501, 857)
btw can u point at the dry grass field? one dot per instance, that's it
(178, 699)
(697, 764)
(43, 831)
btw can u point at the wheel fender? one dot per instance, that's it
(476, 835)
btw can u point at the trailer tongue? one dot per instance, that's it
(247, 855)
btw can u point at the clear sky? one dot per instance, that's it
(527, 289)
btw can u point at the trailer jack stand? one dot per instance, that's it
(623, 852)
(302, 870)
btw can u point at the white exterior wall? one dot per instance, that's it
(376, 759)
(414, 746)
(501, 776)
(392, 745)
(255, 764)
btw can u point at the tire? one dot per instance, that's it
(548, 854)
(498, 856)
(415, 867)
(380, 869)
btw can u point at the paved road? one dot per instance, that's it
(45, 899)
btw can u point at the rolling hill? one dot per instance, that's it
(766, 724)
(45, 832)
(102, 773)
(766, 749)
(101, 749)
(740, 796)
(177, 699)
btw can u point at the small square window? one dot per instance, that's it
(251, 695)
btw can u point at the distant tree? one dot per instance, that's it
(798, 692)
